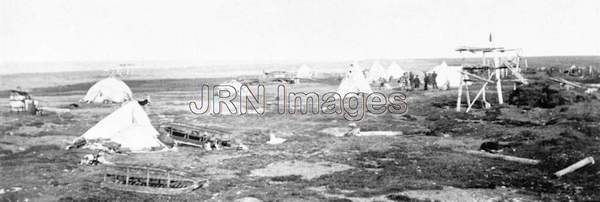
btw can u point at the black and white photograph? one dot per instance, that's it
(300, 100)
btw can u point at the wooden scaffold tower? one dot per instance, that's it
(497, 71)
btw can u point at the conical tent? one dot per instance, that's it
(128, 126)
(304, 72)
(354, 82)
(108, 90)
(395, 71)
(447, 76)
(376, 72)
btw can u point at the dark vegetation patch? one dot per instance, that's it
(287, 178)
(544, 95)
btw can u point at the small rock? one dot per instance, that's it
(53, 182)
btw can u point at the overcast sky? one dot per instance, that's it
(281, 30)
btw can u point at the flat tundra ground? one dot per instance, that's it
(424, 163)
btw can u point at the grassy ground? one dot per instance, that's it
(421, 164)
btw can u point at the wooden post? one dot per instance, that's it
(147, 176)
(503, 157)
(168, 179)
(575, 166)
(499, 86)
(127, 177)
(467, 92)
(460, 85)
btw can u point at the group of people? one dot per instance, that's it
(410, 81)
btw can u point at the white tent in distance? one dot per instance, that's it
(108, 90)
(304, 72)
(128, 126)
(376, 72)
(447, 76)
(354, 82)
(395, 71)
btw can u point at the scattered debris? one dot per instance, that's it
(275, 140)
(336, 131)
(77, 143)
(378, 133)
(11, 189)
(354, 130)
(94, 159)
(242, 147)
(575, 166)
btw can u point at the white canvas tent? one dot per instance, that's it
(376, 72)
(447, 76)
(354, 82)
(395, 71)
(128, 126)
(304, 72)
(108, 90)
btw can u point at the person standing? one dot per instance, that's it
(411, 78)
(405, 82)
(417, 82)
(434, 80)
(425, 80)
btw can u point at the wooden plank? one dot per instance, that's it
(499, 87)
(458, 100)
(575, 166)
(503, 157)
(561, 80)
(468, 94)
(477, 77)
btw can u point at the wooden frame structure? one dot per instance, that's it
(495, 72)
